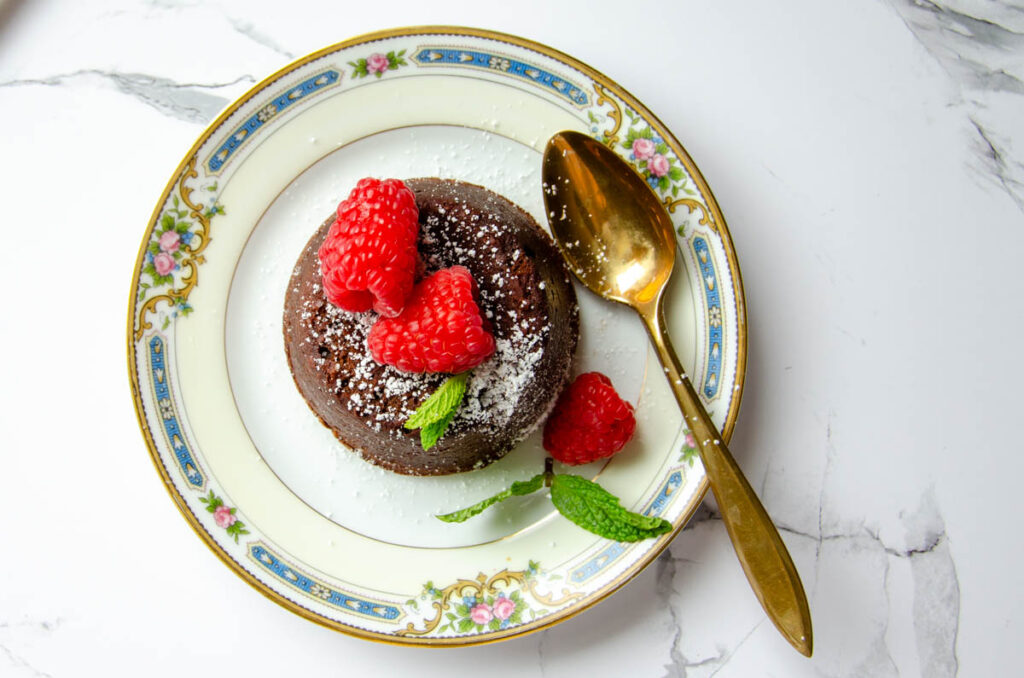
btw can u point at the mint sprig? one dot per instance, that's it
(583, 502)
(434, 415)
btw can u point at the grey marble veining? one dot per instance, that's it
(250, 31)
(25, 628)
(191, 102)
(857, 564)
(894, 585)
(981, 46)
(195, 102)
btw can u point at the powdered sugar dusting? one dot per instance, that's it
(386, 397)
(492, 392)
(495, 387)
(372, 385)
(366, 404)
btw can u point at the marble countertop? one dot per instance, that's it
(869, 159)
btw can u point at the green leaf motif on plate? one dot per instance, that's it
(224, 516)
(688, 451)
(378, 64)
(648, 153)
(172, 257)
(485, 604)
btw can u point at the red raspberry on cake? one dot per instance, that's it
(440, 329)
(369, 258)
(590, 421)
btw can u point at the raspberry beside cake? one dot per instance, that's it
(528, 304)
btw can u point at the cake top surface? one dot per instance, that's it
(469, 226)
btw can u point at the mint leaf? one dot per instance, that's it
(432, 432)
(518, 489)
(445, 399)
(437, 411)
(595, 509)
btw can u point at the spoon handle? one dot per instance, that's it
(762, 553)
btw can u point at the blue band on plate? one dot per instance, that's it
(445, 56)
(169, 414)
(713, 372)
(268, 111)
(273, 564)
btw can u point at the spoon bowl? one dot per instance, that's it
(618, 240)
(597, 233)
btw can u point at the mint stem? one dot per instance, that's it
(549, 472)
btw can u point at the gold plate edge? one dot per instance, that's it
(735, 275)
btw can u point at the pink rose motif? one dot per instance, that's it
(690, 440)
(643, 149)
(377, 63)
(224, 517)
(481, 614)
(503, 608)
(658, 164)
(163, 263)
(169, 241)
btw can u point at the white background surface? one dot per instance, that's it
(868, 159)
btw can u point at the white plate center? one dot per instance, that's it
(304, 454)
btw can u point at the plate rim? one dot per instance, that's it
(727, 245)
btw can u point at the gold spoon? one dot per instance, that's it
(619, 241)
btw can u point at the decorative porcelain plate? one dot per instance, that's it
(266, 486)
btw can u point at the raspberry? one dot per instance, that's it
(440, 329)
(368, 258)
(590, 421)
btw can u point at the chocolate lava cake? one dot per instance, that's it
(524, 293)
